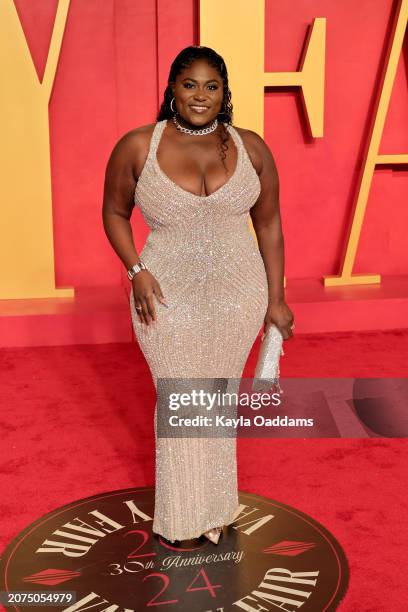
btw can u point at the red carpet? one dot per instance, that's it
(77, 420)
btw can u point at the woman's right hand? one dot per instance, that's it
(145, 287)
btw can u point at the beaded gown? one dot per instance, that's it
(206, 260)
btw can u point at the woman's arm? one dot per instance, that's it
(118, 203)
(266, 219)
(121, 176)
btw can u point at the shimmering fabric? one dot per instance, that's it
(212, 275)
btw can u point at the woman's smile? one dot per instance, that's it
(198, 109)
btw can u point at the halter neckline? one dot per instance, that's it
(156, 137)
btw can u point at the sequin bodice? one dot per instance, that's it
(233, 199)
(200, 236)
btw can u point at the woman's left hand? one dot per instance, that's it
(279, 314)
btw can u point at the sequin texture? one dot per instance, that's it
(206, 260)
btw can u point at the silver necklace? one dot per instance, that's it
(199, 132)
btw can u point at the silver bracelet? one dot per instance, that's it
(135, 269)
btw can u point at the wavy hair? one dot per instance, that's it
(183, 60)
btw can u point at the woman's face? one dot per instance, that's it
(198, 92)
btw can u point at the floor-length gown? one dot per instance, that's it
(207, 262)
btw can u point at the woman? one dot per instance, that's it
(201, 287)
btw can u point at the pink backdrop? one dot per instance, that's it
(112, 72)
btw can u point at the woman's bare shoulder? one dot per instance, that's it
(256, 147)
(138, 138)
(251, 138)
(133, 146)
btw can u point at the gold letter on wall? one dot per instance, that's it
(236, 30)
(26, 230)
(372, 157)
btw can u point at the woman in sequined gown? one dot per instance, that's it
(199, 306)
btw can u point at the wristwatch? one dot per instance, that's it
(135, 269)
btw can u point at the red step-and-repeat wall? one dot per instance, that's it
(112, 72)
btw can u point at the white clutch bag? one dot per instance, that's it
(267, 367)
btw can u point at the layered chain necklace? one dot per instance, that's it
(200, 131)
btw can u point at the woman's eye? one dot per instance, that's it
(190, 85)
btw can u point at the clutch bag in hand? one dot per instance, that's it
(267, 367)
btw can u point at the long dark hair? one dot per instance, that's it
(183, 60)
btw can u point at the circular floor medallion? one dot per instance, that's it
(101, 552)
